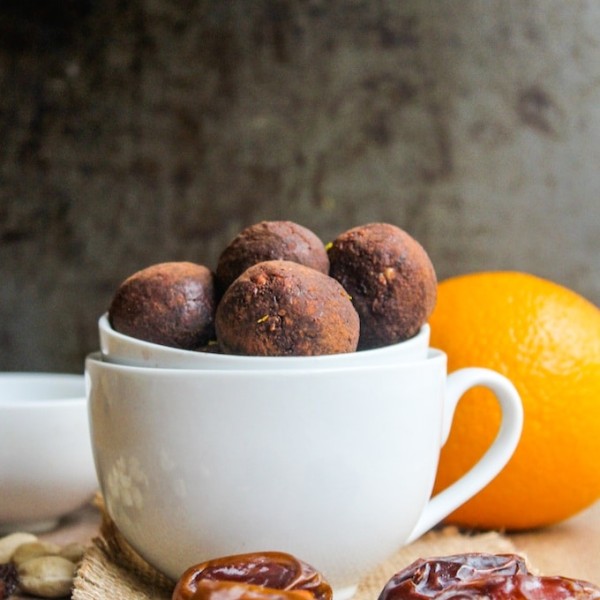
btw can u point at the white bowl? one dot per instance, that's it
(122, 349)
(46, 463)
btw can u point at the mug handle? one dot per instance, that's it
(495, 457)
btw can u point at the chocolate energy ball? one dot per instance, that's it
(170, 303)
(390, 278)
(270, 240)
(282, 308)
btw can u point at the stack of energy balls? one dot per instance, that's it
(279, 291)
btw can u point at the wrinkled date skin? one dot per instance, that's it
(9, 580)
(253, 576)
(478, 576)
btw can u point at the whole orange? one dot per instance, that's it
(546, 339)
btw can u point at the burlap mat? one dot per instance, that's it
(111, 569)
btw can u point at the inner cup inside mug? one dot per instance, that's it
(120, 347)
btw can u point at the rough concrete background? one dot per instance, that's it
(132, 133)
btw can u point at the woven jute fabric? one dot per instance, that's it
(112, 569)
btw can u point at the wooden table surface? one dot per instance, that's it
(570, 548)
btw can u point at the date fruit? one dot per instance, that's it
(209, 589)
(477, 576)
(9, 580)
(253, 576)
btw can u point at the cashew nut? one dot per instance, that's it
(32, 550)
(73, 551)
(9, 543)
(47, 576)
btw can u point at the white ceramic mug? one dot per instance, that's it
(334, 465)
(126, 350)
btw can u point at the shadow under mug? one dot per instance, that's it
(123, 349)
(335, 465)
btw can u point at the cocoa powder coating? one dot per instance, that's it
(270, 240)
(282, 308)
(172, 304)
(390, 278)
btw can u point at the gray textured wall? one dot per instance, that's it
(132, 133)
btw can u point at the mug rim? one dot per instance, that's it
(433, 355)
(40, 400)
